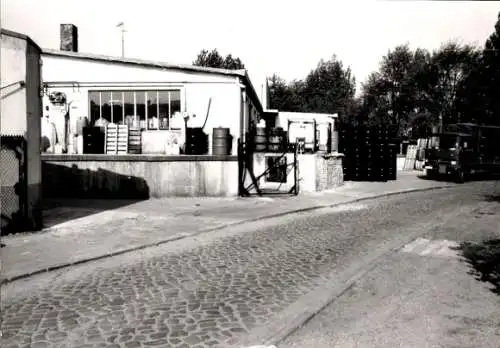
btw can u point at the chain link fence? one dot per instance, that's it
(12, 180)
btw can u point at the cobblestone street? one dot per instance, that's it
(212, 290)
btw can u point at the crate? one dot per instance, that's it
(116, 139)
(134, 140)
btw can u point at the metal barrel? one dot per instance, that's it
(260, 139)
(221, 142)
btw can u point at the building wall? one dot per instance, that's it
(139, 176)
(13, 69)
(33, 116)
(196, 89)
(316, 172)
(20, 116)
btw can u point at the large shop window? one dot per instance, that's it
(151, 109)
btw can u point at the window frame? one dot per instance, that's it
(142, 89)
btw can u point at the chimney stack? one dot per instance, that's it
(69, 38)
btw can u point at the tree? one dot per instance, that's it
(330, 88)
(391, 94)
(451, 67)
(286, 97)
(478, 94)
(213, 59)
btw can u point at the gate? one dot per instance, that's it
(271, 170)
(13, 179)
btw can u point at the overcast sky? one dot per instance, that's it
(270, 36)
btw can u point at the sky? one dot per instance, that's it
(270, 36)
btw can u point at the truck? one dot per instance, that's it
(462, 150)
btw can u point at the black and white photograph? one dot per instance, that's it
(249, 174)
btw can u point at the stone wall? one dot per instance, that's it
(329, 173)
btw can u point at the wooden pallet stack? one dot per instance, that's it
(411, 156)
(369, 155)
(117, 139)
(134, 140)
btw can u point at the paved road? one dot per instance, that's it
(219, 288)
(421, 295)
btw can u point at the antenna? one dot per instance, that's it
(121, 25)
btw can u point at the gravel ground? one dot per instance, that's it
(213, 289)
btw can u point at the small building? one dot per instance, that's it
(157, 123)
(21, 111)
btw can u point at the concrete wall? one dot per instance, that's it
(21, 115)
(13, 69)
(139, 176)
(34, 115)
(196, 89)
(316, 172)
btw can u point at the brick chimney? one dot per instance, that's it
(69, 38)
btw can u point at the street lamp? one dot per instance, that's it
(121, 25)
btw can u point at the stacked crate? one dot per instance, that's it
(368, 154)
(134, 140)
(116, 139)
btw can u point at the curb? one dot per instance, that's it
(178, 237)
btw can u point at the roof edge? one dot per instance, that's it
(134, 61)
(20, 36)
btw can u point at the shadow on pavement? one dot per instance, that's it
(484, 259)
(475, 177)
(493, 198)
(71, 192)
(60, 210)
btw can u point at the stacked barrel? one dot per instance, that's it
(270, 140)
(368, 153)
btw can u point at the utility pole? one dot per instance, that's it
(121, 25)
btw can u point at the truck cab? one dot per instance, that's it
(451, 154)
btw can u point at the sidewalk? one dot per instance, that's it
(419, 296)
(156, 221)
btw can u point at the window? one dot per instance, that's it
(147, 109)
(117, 107)
(447, 142)
(128, 105)
(140, 105)
(276, 169)
(106, 106)
(152, 109)
(95, 106)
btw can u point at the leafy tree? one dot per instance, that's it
(213, 59)
(477, 97)
(451, 66)
(490, 76)
(414, 89)
(232, 63)
(286, 97)
(330, 88)
(390, 94)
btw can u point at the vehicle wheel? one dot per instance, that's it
(431, 175)
(460, 176)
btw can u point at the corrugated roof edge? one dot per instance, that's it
(241, 73)
(20, 36)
